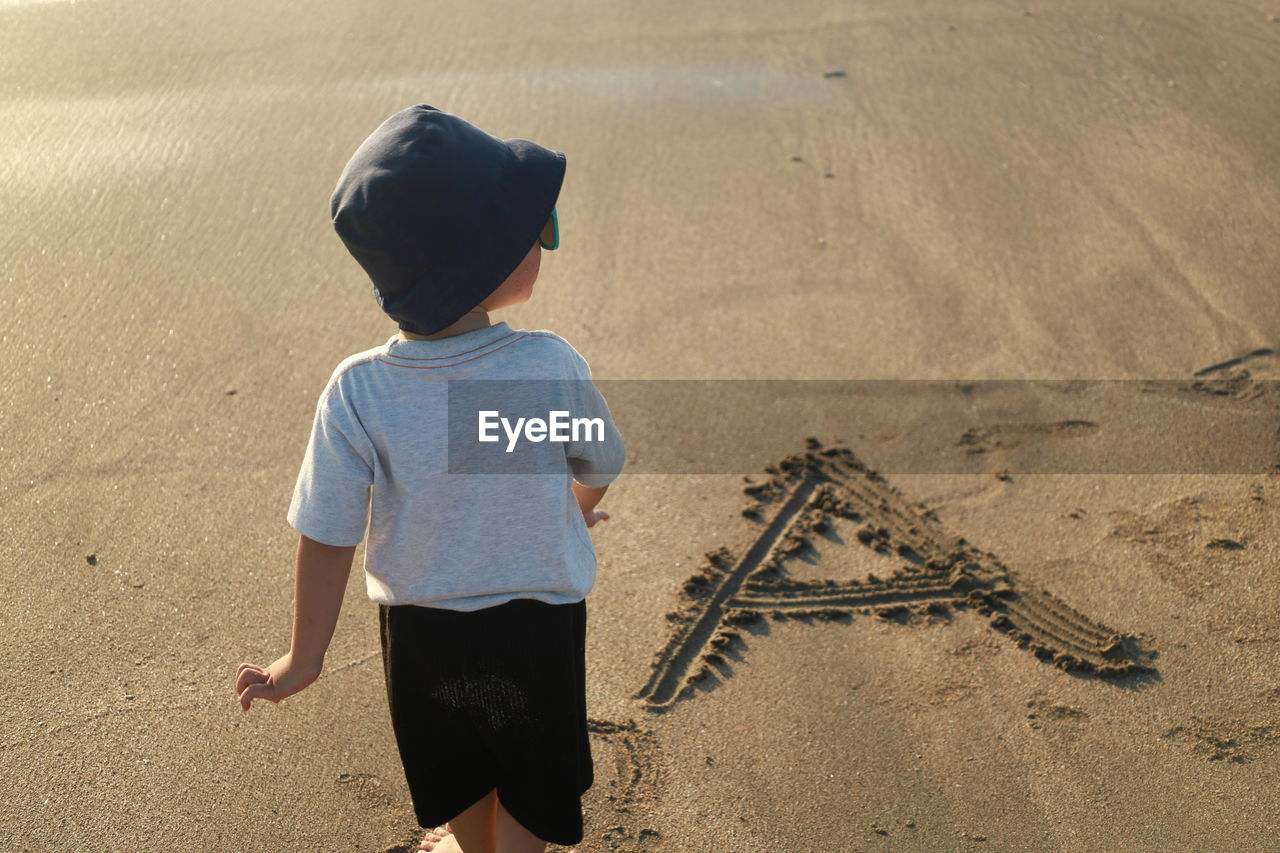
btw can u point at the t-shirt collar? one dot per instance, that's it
(454, 345)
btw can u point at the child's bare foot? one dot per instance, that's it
(432, 840)
(441, 840)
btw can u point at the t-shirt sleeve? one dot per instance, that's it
(596, 453)
(331, 499)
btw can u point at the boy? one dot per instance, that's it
(480, 578)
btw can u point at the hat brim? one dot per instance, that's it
(539, 172)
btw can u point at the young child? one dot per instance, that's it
(481, 577)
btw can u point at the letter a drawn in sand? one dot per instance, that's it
(938, 572)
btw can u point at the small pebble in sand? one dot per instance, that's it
(831, 74)
(92, 559)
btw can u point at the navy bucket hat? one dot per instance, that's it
(439, 212)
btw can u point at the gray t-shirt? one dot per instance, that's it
(382, 453)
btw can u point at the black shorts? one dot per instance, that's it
(492, 698)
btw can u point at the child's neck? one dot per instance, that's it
(469, 322)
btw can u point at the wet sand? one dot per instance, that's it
(955, 191)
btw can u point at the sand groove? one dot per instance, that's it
(707, 612)
(639, 773)
(937, 572)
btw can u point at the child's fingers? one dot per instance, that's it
(249, 674)
(249, 669)
(259, 690)
(247, 666)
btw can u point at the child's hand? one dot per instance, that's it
(278, 681)
(587, 499)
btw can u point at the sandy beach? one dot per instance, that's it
(995, 616)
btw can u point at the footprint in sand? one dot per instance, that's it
(1055, 719)
(1249, 378)
(367, 787)
(1184, 540)
(1009, 436)
(1231, 740)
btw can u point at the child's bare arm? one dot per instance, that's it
(587, 500)
(320, 580)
